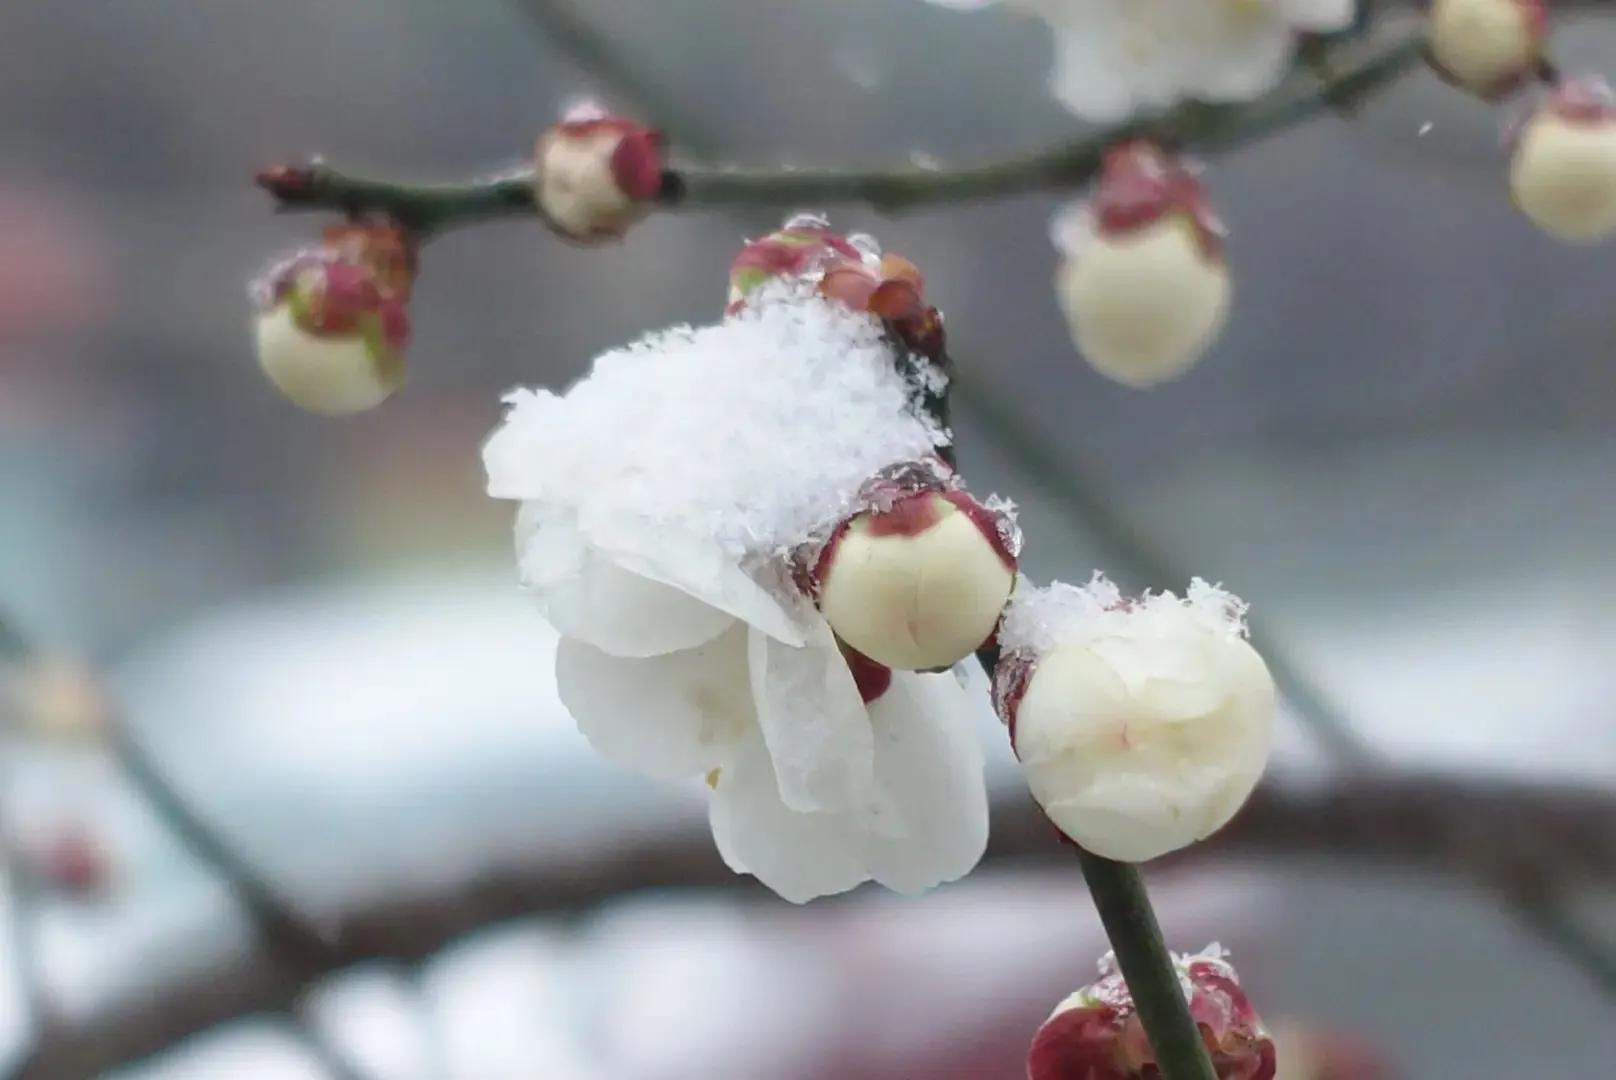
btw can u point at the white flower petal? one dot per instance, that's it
(625, 614)
(592, 596)
(814, 722)
(1240, 60)
(800, 856)
(704, 571)
(929, 764)
(673, 716)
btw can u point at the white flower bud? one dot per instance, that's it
(1487, 46)
(333, 321)
(335, 376)
(917, 586)
(1563, 173)
(1144, 286)
(1141, 726)
(1144, 307)
(594, 175)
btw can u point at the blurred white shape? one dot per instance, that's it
(250, 1050)
(692, 991)
(508, 1006)
(15, 1032)
(378, 1022)
(952, 985)
(399, 736)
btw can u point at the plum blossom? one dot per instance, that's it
(665, 503)
(1116, 58)
(1142, 724)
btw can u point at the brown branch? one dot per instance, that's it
(1362, 67)
(1431, 822)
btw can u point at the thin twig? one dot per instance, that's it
(1363, 67)
(289, 942)
(1130, 922)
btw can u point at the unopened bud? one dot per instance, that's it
(1143, 285)
(1096, 1034)
(919, 582)
(1487, 46)
(1563, 172)
(332, 321)
(1142, 725)
(595, 175)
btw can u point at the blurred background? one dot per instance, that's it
(1402, 451)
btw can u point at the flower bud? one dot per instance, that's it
(1143, 285)
(594, 175)
(1141, 725)
(1563, 173)
(918, 581)
(331, 333)
(803, 247)
(1096, 1034)
(1487, 46)
(73, 861)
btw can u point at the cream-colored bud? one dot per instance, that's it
(918, 589)
(1486, 45)
(1147, 734)
(1144, 305)
(1563, 176)
(335, 375)
(576, 188)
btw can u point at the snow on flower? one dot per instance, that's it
(1096, 1034)
(1115, 58)
(1142, 724)
(665, 500)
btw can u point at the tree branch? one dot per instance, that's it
(1362, 67)
(1427, 822)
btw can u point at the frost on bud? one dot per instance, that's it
(919, 579)
(1563, 172)
(801, 248)
(1142, 725)
(1143, 283)
(1488, 47)
(1096, 1034)
(332, 321)
(851, 269)
(594, 175)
